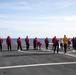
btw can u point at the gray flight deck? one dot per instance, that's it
(37, 62)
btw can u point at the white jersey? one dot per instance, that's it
(61, 41)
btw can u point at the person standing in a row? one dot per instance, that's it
(55, 44)
(53, 41)
(65, 41)
(72, 40)
(74, 43)
(19, 42)
(35, 43)
(8, 42)
(69, 42)
(1, 41)
(27, 42)
(61, 43)
(46, 42)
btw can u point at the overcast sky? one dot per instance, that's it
(37, 18)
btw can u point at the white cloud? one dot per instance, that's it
(70, 18)
(40, 26)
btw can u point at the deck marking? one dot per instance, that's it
(49, 51)
(35, 65)
(33, 52)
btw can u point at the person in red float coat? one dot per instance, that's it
(55, 44)
(72, 40)
(69, 42)
(46, 42)
(35, 43)
(8, 42)
(53, 41)
(1, 41)
(19, 44)
(39, 45)
(27, 42)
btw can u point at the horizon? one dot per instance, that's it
(37, 18)
(34, 37)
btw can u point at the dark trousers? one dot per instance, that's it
(75, 46)
(47, 45)
(9, 46)
(1, 46)
(19, 47)
(35, 45)
(56, 47)
(61, 45)
(65, 48)
(27, 46)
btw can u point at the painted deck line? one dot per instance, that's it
(63, 52)
(46, 50)
(33, 52)
(70, 55)
(36, 65)
(49, 51)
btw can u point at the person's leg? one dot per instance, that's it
(27, 46)
(46, 46)
(57, 47)
(10, 46)
(20, 47)
(69, 46)
(73, 45)
(75, 48)
(39, 46)
(0, 47)
(54, 48)
(34, 45)
(65, 47)
(61, 46)
(17, 46)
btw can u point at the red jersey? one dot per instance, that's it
(8, 40)
(35, 41)
(39, 43)
(27, 40)
(55, 40)
(46, 40)
(72, 39)
(19, 41)
(1, 40)
(69, 42)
